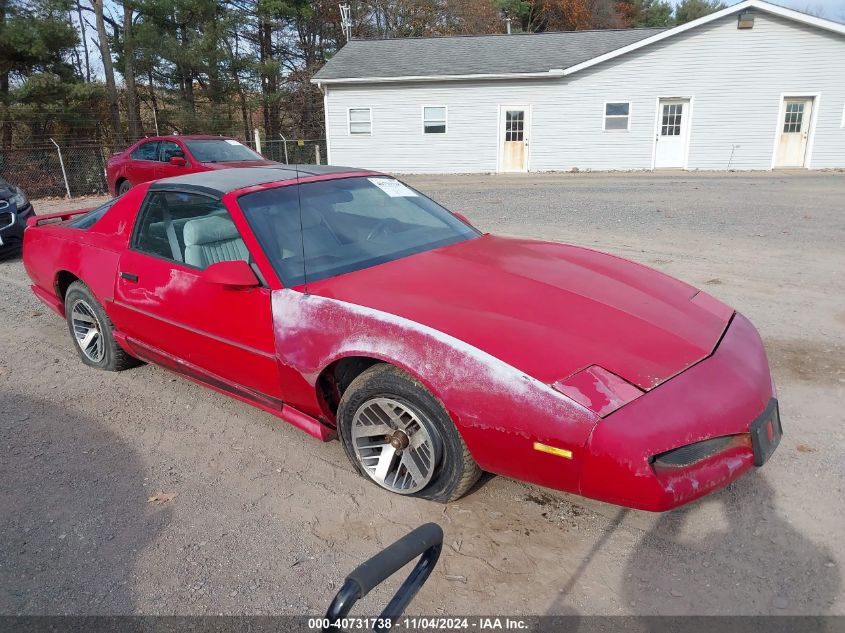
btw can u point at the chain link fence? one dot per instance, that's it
(49, 171)
(294, 151)
(79, 170)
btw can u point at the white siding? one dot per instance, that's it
(735, 78)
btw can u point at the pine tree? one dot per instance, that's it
(35, 36)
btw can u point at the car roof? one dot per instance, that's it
(222, 181)
(188, 137)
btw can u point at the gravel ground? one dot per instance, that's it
(267, 520)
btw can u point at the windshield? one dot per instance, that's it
(346, 224)
(222, 150)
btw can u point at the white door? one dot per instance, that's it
(672, 133)
(793, 131)
(514, 126)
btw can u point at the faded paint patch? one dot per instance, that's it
(484, 391)
(717, 471)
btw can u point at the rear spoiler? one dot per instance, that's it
(56, 217)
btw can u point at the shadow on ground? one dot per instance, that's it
(753, 561)
(69, 543)
(741, 557)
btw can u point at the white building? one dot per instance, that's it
(754, 86)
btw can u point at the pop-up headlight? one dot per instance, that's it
(601, 391)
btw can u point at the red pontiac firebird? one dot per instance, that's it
(345, 302)
(166, 156)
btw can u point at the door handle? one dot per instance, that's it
(128, 276)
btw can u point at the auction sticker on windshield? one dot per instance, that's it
(393, 188)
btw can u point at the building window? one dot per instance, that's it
(360, 121)
(794, 118)
(670, 124)
(514, 125)
(617, 116)
(434, 119)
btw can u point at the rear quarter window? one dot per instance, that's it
(88, 220)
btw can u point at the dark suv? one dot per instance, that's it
(15, 208)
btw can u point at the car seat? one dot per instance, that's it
(315, 234)
(213, 239)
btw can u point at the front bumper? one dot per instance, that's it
(12, 225)
(720, 397)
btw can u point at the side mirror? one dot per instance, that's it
(462, 217)
(179, 161)
(233, 275)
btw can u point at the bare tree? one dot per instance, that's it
(108, 70)
(84, 40)
(134, 111)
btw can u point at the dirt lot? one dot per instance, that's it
(268, 520)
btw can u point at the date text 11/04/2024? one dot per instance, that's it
(422, 623)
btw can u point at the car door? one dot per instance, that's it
(143, 163)
(166, 151)
(173, 316)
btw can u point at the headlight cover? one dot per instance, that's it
(19, 199)
(601, 391)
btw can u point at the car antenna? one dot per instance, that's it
(301, 230)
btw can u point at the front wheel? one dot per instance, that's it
(400, 437)
(125, 186)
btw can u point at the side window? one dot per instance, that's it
(434, 119)
(169, 149)
(360, 120)
(187, 227)
(146, 151)
(617, 116)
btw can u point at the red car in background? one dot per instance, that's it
(348, 304)
(165, 156)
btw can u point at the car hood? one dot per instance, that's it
(241, 163)
(547, 309)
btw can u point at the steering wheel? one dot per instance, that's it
(380, 228)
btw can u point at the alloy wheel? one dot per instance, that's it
(395, 445)
(87, 330)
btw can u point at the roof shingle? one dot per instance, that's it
(474, 55)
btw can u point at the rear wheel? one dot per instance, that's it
(399, 436)
(123, 187)
(92, 331)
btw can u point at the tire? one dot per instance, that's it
(82, 311)
(123, 187)
(385, 409)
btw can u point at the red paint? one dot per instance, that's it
(50, 300)
(548, 309)
(598, 390)
(235, 275)
(60, 216)
(523, 341)
(173, 307)
(122, 166)
(720, 396)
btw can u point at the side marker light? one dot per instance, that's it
(552, 450)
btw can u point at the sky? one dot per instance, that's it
(830, 9)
